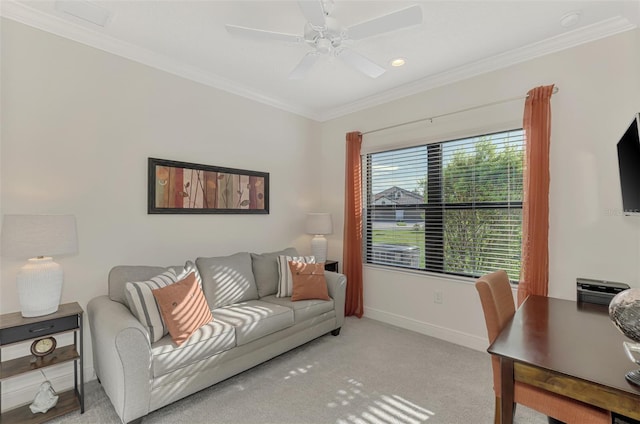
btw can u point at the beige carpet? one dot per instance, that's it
(371, 374)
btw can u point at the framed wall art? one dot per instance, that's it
(188, 188)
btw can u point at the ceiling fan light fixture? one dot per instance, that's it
(397, 62)
(325, 36)
(323, 45)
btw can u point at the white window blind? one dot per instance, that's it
(453, 207)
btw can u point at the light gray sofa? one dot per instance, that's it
(251, 325)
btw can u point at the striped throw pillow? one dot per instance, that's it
(189, 267)
(143, 304)
(285, 282)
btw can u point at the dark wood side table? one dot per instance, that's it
(331, 266)
(14, 328)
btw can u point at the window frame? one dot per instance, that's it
(434, 208)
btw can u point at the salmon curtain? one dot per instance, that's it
(534, 272)
(352, 246)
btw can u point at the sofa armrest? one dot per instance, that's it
(121, 357)
(337, 286)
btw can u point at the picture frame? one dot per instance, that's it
(190, 188)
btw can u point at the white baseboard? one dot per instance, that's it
(464, 339)
(21, 390)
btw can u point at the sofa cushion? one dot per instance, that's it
(143, 306)
(228, 279)
(183, 308)
(254, 319)
(285, 282)
(265, 270)
(308, 281)
(302, 309)
(208, 340)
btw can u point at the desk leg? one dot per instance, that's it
(507, 389)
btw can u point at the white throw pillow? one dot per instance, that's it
(285, 282)
(190, 266)
(143, 305)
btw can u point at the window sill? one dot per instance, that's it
(443, 277)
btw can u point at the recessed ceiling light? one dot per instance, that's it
(570, 19)
(398, 62)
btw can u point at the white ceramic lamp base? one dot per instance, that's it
(319, 248)
(39, 287)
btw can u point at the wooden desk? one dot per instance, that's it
(560, 346)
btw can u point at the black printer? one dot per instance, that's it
(598, 291)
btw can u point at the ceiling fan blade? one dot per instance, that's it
(360, 62)
(258, 34)
(313, 12)
(301, 70)
(395, 20)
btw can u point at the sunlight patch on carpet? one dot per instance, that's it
(377, 408)
(298, 371)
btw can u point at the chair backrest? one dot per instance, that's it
(498, 306)
(497, 301)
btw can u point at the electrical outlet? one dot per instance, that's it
(437, 296)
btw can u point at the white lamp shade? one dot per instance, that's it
(319, 223)
(30, 236)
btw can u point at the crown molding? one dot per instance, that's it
(97, 39)
(574, 38)
(632, 11)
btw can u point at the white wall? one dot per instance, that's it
(599, 93)
(78, 127)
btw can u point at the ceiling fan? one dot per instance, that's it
(327, 36)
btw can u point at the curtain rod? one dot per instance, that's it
(555, 90)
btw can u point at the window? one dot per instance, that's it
(453, 207)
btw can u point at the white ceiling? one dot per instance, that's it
(456, 40)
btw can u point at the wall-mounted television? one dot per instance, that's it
(629, 164)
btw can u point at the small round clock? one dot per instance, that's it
(43, 347)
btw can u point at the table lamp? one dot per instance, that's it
(37, 238)
(319, 224)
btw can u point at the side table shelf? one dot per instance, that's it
(16, 329)
(67, 402)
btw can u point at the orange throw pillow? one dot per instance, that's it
(308, 281)
(183, 307)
